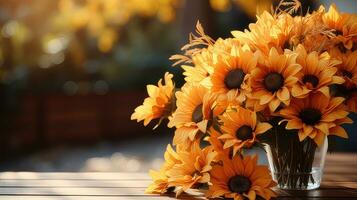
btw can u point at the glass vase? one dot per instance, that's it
(295, 164)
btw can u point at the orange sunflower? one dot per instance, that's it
(216, 144)
(194, 111)
(316, 116)
(240, 128)
(273, 79)
(317, 74)
(241, 178)
(193, 169)
(231, 73)
(159, 103)
(307, 30)
(225, 46)
(344, 26)
(160, 178)
(199, 73)
(280, 31)
(348, 66)
(259, 34)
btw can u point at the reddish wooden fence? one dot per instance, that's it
(60, 119)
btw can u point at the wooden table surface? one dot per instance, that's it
(339, 182)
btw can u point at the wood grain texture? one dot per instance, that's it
(339, 182)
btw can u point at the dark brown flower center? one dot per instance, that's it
(234, 79)
(310, 116)
(287, 45)
(338, 32)
(197, 114)
(312, 79)
(273, 81)
(346, 73)
(239, 184)
(244, 133)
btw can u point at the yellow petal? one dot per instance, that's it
(228, 144)
(323, 127)
(325, 90)
(262, 128)
(319, 138)
(266, 99)
(294, 124)
(283, 94)
(203, 126)
(339, 131)
(274, 104)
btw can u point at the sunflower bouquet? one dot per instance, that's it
(284, 84)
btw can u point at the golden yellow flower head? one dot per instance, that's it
(159, 104)
(216, 144)
(232, 73)
(344, 27)
(241, 178)
(259, 36)
(240, 128)
(317, 74)
(194, 111)
(199, 73)
(160, 184)
(347, 68)
(193, 169)
(316, 116)
(272, 81)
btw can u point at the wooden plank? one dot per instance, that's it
(333, 184)
(341, 157)
(342, 169)
(323, 192)
(72, 176)
(328, 193)
(75, 183)
(340, 177)
(89, 191)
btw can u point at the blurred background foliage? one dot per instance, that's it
(81, 48)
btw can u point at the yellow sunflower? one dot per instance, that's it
(348, 66)
(158, 104)
(273, 80)
(204, 59)
(344, 26)
(216, 144)
(160, 184)
(194, 110)
(199, 73)
(281, 32)
(231, 73)
(240, 128)
(317, 74)
(316, 116)
(225, 46)
(241, 178)
(259, 34)
(193, 169)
